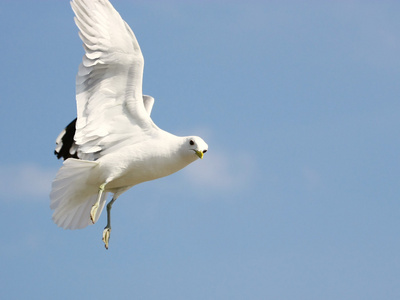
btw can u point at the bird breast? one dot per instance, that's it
(139, 163)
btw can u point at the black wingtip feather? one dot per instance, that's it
(67, 140)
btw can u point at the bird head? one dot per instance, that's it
(196, 145)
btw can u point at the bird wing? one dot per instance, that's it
(110, 105)
(65, 143)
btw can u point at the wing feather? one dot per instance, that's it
(109, 81)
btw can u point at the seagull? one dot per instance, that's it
(113, 144)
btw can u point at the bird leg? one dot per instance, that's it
(107, 229)
(95, 206)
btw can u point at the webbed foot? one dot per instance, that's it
(95, 206)
(106, 236)
(93, 212)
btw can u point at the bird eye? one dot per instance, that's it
(191, 142)
(204, 151)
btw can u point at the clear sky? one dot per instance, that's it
(298, 195)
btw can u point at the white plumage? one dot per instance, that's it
(72, 196)
(117, 143)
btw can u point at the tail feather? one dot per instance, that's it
(78, 217)
(72, 197)
(84, 214)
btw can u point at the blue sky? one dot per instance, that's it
(298, 195)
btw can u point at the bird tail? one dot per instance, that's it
(72, 197)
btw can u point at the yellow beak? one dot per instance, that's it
(199, 154)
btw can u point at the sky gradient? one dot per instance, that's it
(298, 195)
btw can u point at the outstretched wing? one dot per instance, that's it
(110, 107)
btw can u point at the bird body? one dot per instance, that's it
(113, 144)
(144, 161)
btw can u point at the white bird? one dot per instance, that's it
(113, 144)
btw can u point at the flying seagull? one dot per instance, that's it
(113, 144)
